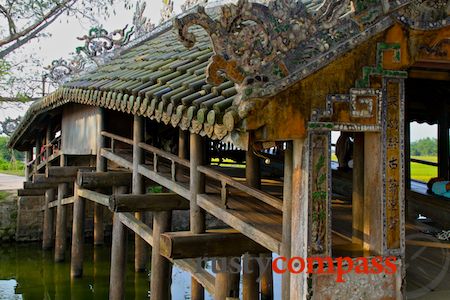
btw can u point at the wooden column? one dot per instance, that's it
(443, 144)
(61, 224)
(287, 218)
(28, 159)
(38, 149)
(250, 285)
(300, 210)
(48, 139)
(358, 189)
(47, 231)
(140, 246)
(76, 264)
(407, 152)
(373, 189)
(197, 215)
(118, 255)
(226, 286)
(161, 273)
(101, 166)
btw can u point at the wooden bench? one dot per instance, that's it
(418, 201)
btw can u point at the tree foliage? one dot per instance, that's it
(424, 147)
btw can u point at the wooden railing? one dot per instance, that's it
(114, 138)
(226, 180)
(166, 155)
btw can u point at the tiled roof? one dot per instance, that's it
(159, 79)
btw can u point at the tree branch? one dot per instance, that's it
(57, 10)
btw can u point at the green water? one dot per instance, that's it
(27, 272)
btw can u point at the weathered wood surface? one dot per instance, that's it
(31, 192)
(94, 180)
(94, 196)
(61, 224)
(164, 154)
(42, 185)
(179, 245)
(260, 195)
(65, 201)
(147, 202)
(42, 179)
(68, 171)
(252, 217)
(117, 137)
(76, 262)
(47, 228)
(117, 159)
(162, 180)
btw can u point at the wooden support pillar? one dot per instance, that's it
(197, 215)
(300, 211)
(118, 255)
(373, 188)
(140, 246)
(37, 151)
(47, 231)
(161, 274)
(443, 144)
(48, 139)
(226, 285)
(61, 224)
(407, 151)
(28, 159)
(101, 166)
(76, 266)
(358, 190)
(287, 218)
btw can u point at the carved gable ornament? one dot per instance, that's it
(265, 47)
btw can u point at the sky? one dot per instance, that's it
(62, 42)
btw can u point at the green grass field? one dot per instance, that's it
(422, 172)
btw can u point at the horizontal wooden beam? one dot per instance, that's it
(31, 192)
(64, 201)
(94, 196)
(94, 180)
(137, 226)
(69, 171)
(117, 159)
(40, 185)
(147, 202)
(218, 243)
(41, 178)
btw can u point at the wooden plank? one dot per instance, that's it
(41, 185)
(67, 171)
(185, 244)
(167, 183)
(65, 201)
(264, 197)
(94, 196)
(41, 178)
(148, 202)
(94, 180)
(429, 244)
(250, 230)
(117, 159)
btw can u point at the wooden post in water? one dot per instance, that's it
(101, 166)
(358, 190)
(140, 246)
(61, 224)
(47, 230)
(300, 210)
(197, 215)
(118, 255)
(161, 273)
(287, 219)
(76, 264)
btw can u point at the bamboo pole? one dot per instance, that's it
(47, 232)
(287, 218)
(140, 246)
(197, 215)
(61, 224)
(118, 255)
(101, 166)
(76, 264)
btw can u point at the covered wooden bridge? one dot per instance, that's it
(161, 114)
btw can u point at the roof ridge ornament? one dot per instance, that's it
(252, 40)
(167, 12)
